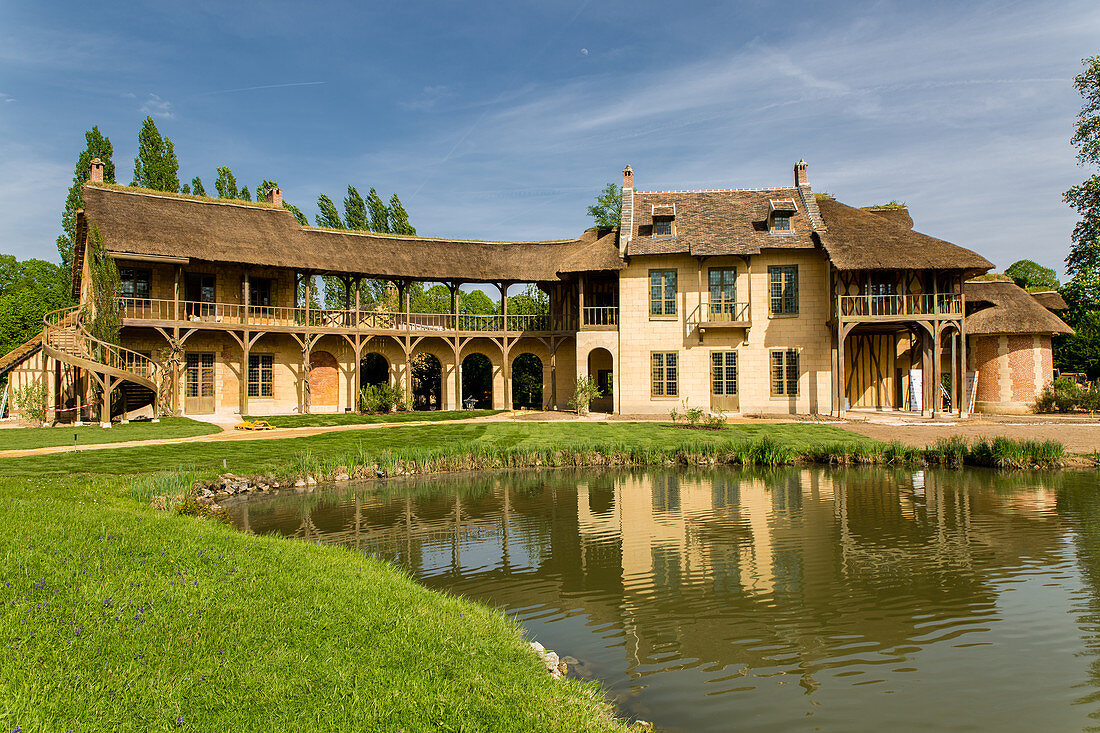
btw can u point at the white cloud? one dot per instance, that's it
(154, 106)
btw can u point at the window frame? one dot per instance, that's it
(664, 300)
(786, 310)
(789, 218)
(134, 280)
(790, 360)
(659, 374)
(663, 219)
(258, 286)
(724, 368)
(258, 387)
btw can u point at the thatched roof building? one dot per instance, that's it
(1051, 300)
(1003, 307)
(151, 224)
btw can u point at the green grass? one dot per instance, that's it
(259, 456)
(168, 427)
(115, 617)
(350, 418)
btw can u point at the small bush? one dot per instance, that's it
(715, 420)
(584, 392)
(694, 415)
(30, 401)
(191, 507)
(379, 398)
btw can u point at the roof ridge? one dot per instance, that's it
(136, 191)
(726, 190)
(417, 237)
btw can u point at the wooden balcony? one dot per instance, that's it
(600, 318)
(234, 316)
(900, 307)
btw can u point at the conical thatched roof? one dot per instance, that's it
(1003, 307)
(862, 239)
(152, 224)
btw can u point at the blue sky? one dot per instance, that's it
(503, 120)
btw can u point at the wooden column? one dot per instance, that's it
(840, 386)
(937, 371)
(955, 372)
(580, 302)
(176, 295)
(964, 403)
(246, 298)
(926, 373)
(246, 350)
(505, 350)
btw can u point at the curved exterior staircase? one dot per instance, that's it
(108, 366)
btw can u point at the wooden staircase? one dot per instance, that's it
(65, 339)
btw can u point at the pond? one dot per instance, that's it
(800, 598)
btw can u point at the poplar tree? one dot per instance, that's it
(328, 216)
(399, 218)
(226, 184)
(245, 195)
(155, 166)
(355, 210)
(379, 214)
(196, 187)
(97, 145)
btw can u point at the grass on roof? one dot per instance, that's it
(185, 196)
(889, 205)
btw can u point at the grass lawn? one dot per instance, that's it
(115, 617)
(258, 456)
(351, 418)
(168, 427)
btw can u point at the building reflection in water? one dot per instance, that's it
(738, 573)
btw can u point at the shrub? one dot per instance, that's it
(715, 420)
(694, 415)
(584, 392)
(30, 400)
(375, 398)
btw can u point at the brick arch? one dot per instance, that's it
(324, 379)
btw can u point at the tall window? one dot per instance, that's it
(260, 377)
(783, 289)
(134, 283)
(662, 292)
(784, 372)
(662, 226)
(723, 373)
(723, 289)
(259, 291)
(664, 374)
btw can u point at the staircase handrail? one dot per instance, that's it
(110, 355)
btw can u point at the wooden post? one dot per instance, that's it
(246, 300)
(955, 372)
(580, 301)
(246, 349)
(937, 369)
(964, 402)
(840, 386)
(176, 295)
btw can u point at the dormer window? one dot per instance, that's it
(780, 215)
(664, 218)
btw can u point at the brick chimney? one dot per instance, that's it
(626, 222)
(800, 178)
(628, 178)
(275, 196)
(96, 174)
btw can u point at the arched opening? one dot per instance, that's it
(477, 382)
(374, 369)
(427, 382)
(601, 369)
(527, 382)
(324, 379)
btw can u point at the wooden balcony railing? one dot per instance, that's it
(721, 313)
(885, 307)
(235, 314)
(601, 316)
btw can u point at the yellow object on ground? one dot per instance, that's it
(254, 425)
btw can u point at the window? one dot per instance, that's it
(664, 374)
(662, 292)
(135, 283)
(781, 222)
(199, 376)
(662, 226)
(259, 291)
(784, 289)
(784, 372)
(723, 373)
(723, 289)
(260, 382)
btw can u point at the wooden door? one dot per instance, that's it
(198, 389)
(723, 381)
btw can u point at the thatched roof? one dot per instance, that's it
(20, 353)
(859, 239)
(1050, 299)
(718, 222)
(999, 307)
(161, 225)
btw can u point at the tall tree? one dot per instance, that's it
(1031, 275)
(1083, 261)
(355, 210)
(297, 213)
(97, 145)
(196, 187)
(608, 209)
(226, 184)
(379, 214)
(245, 195)
(327, 215)
(399, 218)
(155, 166)
(28, 290)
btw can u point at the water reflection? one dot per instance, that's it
(714, 599)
